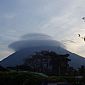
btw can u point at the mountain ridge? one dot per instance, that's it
(19, 57)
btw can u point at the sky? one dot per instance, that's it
(60, 19)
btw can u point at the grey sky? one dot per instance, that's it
(60, 19)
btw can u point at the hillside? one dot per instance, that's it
(18, 57)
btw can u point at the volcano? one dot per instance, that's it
(37, 42)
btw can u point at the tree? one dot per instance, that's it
(48, 62)
(82, 70)
(3, 69)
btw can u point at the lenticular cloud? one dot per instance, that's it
(34, 40)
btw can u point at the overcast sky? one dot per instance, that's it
(61, 19)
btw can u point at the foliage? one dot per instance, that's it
(22, 75)
(18, 78)
(33, 78)
(48, 62)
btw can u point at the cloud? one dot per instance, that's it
(67, 23)
(49, 17)
(5, 53)
(9, 16)
(37, 36)
(4, 50)
(78, 47)
(34, 40)
(60, 19)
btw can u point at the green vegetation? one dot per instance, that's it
(48, 62)
(36, 71)
(33, 78)
(20, 78)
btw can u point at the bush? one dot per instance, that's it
(20, 78)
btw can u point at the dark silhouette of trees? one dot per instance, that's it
(81, 70)
(3, 69)
(48, 62)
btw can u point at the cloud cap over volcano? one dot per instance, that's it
(32, 43)
(34, 40)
